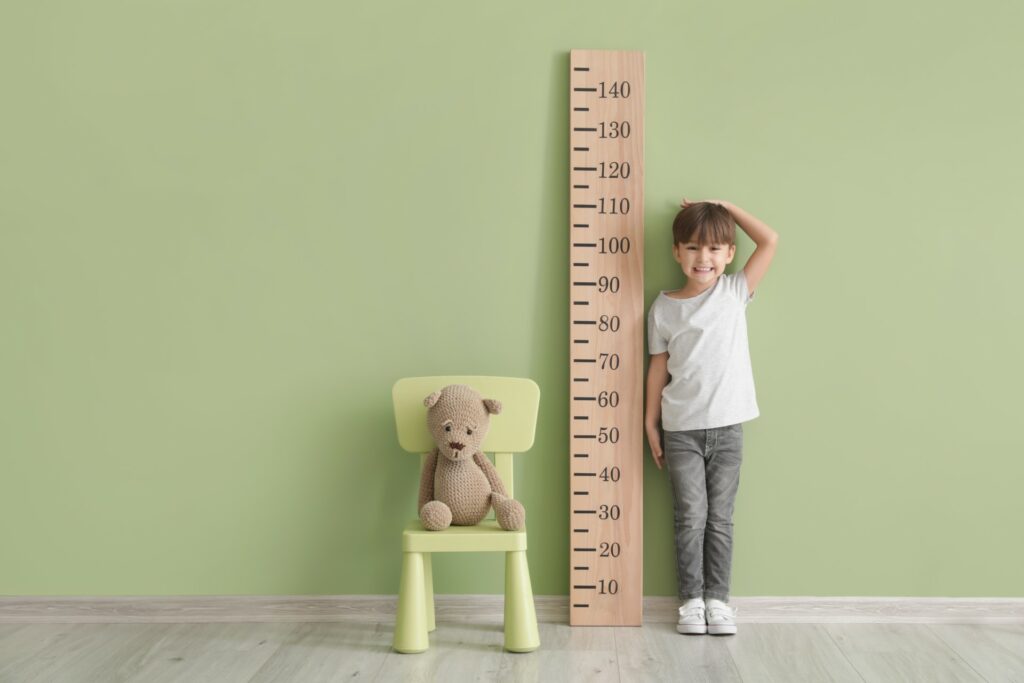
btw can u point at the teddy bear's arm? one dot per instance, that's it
(427, 479)
(491, 472)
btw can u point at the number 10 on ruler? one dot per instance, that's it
(606, 106)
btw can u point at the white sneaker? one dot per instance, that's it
(691, 617)
(721, 618)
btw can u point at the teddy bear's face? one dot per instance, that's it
(459, 419)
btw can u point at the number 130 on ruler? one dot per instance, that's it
(606, 316)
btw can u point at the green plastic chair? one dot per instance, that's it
(511, 431)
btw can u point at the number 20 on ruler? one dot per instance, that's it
(606, 99)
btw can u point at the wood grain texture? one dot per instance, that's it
(606, 333)
(319, 652)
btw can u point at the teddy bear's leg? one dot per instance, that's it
(509, 512)
(436, 516)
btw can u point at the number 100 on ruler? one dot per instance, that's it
(606, 240)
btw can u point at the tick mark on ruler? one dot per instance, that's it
(585, 130)
(581, 493)
(586, 284)
(580, 379)
(580, 303)
(580, 417)
(584, 168)
(585, 512)
(584, 322)
(581, 455)
(585, 89)
(580, 604)
(580, 187)
(584, 244)
(585, 398)
(585, 474)
(580, 341)
(580, 263)
(581, 225)
(581, 149)
(581, 531)
(584, 206)
(581, 568)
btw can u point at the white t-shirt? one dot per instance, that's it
(712, 382)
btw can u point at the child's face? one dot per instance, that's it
(703, 263)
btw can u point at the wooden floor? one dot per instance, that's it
(358, 651)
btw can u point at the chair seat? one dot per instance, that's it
(486, 536)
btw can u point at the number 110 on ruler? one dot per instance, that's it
(606, 240)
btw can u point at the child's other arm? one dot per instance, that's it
(657, 378)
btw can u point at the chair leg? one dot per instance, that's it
(428, 583)
(520, 614)
(411, 620)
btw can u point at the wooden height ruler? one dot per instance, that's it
(606, 333)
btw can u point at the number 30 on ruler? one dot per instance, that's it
(606, 298)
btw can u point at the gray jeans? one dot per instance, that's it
(704, 467)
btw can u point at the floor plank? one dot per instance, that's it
(995, 651)
(329, 651)
(657, 652)
(900, 652)
(788, 653)
(218, 652)
(81, 652)
(583, 653)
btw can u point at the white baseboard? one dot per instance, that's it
(489, 609)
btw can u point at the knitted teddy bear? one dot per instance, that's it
(459, 484)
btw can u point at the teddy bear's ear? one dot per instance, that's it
(492, 405)
(429, 401)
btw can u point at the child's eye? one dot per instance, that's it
(469, 431)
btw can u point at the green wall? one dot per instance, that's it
(229, 227)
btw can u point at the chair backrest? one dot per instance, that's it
(511, 431)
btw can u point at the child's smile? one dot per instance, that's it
(703, 263)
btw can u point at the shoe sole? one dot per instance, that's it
(692, 629)
(722, 629)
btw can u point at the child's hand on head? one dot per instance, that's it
(686, 203)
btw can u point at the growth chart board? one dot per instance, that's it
(606, 331)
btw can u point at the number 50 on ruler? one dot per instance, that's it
(606, 240)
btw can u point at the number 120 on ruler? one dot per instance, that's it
(606, 240)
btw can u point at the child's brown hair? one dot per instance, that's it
(704, 223)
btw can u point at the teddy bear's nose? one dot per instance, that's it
(456, 445)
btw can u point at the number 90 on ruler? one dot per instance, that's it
(606, 316)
